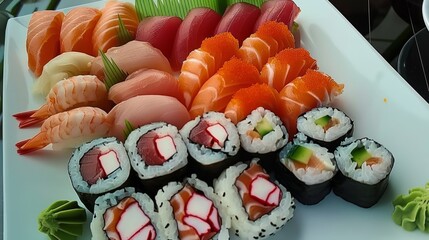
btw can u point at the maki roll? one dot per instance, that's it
(98, 167)
(364, 168)
(125, 214)
(213, 143)
(306, 170)
(158, 155)
(258, 206)
(190, 210)
(326, 126)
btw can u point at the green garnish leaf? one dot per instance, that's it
(128, 128)
(112, 73)
(124, 35)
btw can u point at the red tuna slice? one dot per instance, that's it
(264, 191)
(239, 20)
(96, 164)
(159, 31)
(199, 24)
(278, 10)
(212, 136)
(155, 150)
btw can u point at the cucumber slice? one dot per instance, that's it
(360, 155)
(300, 154)
(264, 127)
(323, 121)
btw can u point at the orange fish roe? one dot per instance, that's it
(277, 31)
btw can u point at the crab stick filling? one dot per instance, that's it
(196, 215)
(98, 163)
(127, 221)
(259, 195)
(156, 149)
(209, 135)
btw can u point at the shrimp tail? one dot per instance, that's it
(30, 145)
(24, 115)
(30, 118)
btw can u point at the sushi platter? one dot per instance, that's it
(384, 110)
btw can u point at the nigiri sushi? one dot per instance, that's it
(284, 11)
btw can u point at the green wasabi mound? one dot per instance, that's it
(62, 220)
(412, 210)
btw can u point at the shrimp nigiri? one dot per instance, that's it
(202, 63)
(68, 129)
(270, 38)
(77, 91)
(304, 93)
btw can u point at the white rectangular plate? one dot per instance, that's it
(383, 106)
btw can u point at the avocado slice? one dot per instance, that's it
(264, 127)
(360, 155)
(300, 154)
(323, 121)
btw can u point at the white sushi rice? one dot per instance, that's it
(306, 124)
(232, 205)
(114, 180)
(166, 213)
(366, 174)
(109, 200)
(310, 176)
(178, 160)
(271, 142)
(205, 155)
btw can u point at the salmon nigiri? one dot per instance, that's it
(77, 28)
(202, 63)
(244, 101)
(43, 39)
(216, 93)
(285, 66)
(270, 38)
(105, 33)
(304, 93)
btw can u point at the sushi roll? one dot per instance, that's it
(125, 214)
(213, 143)
(258, 206)
(364, 168)
(306, 170)
(326, 126)
(190, 210)
(98, 167)
(158, 155)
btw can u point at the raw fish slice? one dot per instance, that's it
(284, 11)
(77, 29)
(216, 93)
(304, 93)
(202, 63)
(141, 110)
(159, 31)
(239, 20)
(145, 82)
(106, 30)
(131, 57)
(286, 66)
(244, 101)
(199, 24)
(43, 39)
(271, 38)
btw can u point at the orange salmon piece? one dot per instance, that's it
(314, 162)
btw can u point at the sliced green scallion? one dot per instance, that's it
(112, 73)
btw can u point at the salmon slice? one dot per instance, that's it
(202, 63)
(304, 93)
(285, 66)
(43, 39)
(314, 162)
(217, 91)
(77, 29)
(105, 33)
(244, 101)
(270, 38)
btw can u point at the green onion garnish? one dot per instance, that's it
(112, 73)
(128, 128)
(124, 35)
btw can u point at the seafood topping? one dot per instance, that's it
(155, 149)
(127, 221)
(213, 136)
(265, 191)
(98, 164)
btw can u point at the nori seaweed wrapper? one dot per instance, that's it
(266, 160)
(209, 172)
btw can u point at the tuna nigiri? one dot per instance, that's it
(215, 94)
(202, 63)
(244, 101)
(106, 30)
(285, 66)
(304, 93)
(77, 28)
(284, 11)
(43, 39)
(267, 41)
